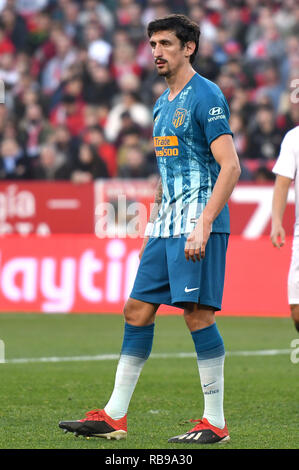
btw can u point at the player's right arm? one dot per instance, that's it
(153, 216)
(280, 195)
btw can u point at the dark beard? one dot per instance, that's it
(164, 74)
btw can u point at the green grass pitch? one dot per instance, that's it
(261, 391)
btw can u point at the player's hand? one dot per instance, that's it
(278, 236)
(197, 240)
(145, 240)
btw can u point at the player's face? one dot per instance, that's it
(168, 52)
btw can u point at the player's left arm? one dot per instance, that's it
(225, 154)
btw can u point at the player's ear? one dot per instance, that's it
(189, 48)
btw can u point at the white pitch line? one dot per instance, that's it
(114, 357)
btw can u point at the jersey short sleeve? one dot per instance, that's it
(286, 162)
(212, 114)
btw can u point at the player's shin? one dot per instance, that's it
(210, 359)
(136, 348)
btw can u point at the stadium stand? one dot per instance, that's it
(80, 83)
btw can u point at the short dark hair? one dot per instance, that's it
(185, 29)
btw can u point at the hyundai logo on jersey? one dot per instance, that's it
(215, 111)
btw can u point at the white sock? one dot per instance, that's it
(211, 373)
(126, 378)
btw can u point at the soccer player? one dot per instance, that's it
(286, 170)
(184, 250)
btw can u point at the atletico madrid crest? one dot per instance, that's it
(179, 117)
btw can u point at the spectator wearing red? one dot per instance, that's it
(44, 52)
(106, 150)
(6, 44)
(123, 61)
(69, 112)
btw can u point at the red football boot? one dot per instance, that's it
(97, 424)
(203, 433)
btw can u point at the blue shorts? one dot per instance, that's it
(165, 276)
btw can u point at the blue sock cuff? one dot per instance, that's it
(138, 340)
(208, 342)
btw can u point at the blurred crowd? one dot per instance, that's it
(80, 83)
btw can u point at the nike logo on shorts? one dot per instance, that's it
(190, 290)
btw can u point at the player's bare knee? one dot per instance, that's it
(137, 314)
(197, 316)
(130, 313)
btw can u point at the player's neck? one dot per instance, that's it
(178, 81)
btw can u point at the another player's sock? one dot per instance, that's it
(210, 359)
(136, 348)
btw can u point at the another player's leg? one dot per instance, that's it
(295, 315)
(111, 422)
(293, 287)
(210, 359)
